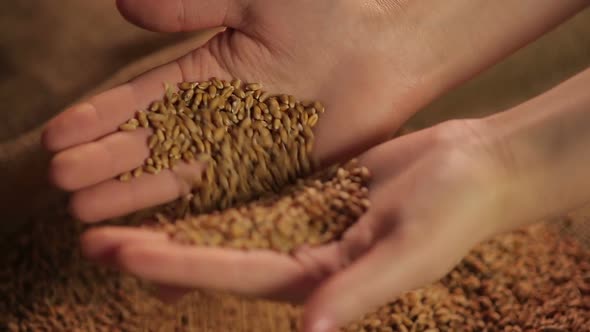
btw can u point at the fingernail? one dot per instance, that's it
(322, 325)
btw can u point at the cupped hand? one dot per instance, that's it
(338, 52)
(434, 194)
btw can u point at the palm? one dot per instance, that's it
(267, 46)
(399, 244)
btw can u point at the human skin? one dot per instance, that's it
(435, 194)
(373, 64)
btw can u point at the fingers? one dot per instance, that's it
(330, 258)
(94, 152)
(260, 274)
(257, 273)
(183, 15)
(115, 198)
(100, 244)
(90, 120)
(96, 162)
(102, 114)
(389, 269)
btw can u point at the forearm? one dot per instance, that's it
(544, 145)
(452, 41)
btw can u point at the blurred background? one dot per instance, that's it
(53, 53)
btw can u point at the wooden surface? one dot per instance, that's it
(51, 54)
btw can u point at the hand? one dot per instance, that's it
(372, 63)
(309, 49)
(434, 193)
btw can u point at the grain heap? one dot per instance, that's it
(530, 280)
(253, 143)
(47, 286)
(526, 281)
(257, 182)
(313, 211)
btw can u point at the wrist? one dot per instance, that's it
(476, 153)
(542, 146)
(514, 196)
(509, 185)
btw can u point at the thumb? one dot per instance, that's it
(391, 268)
(183, 15)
